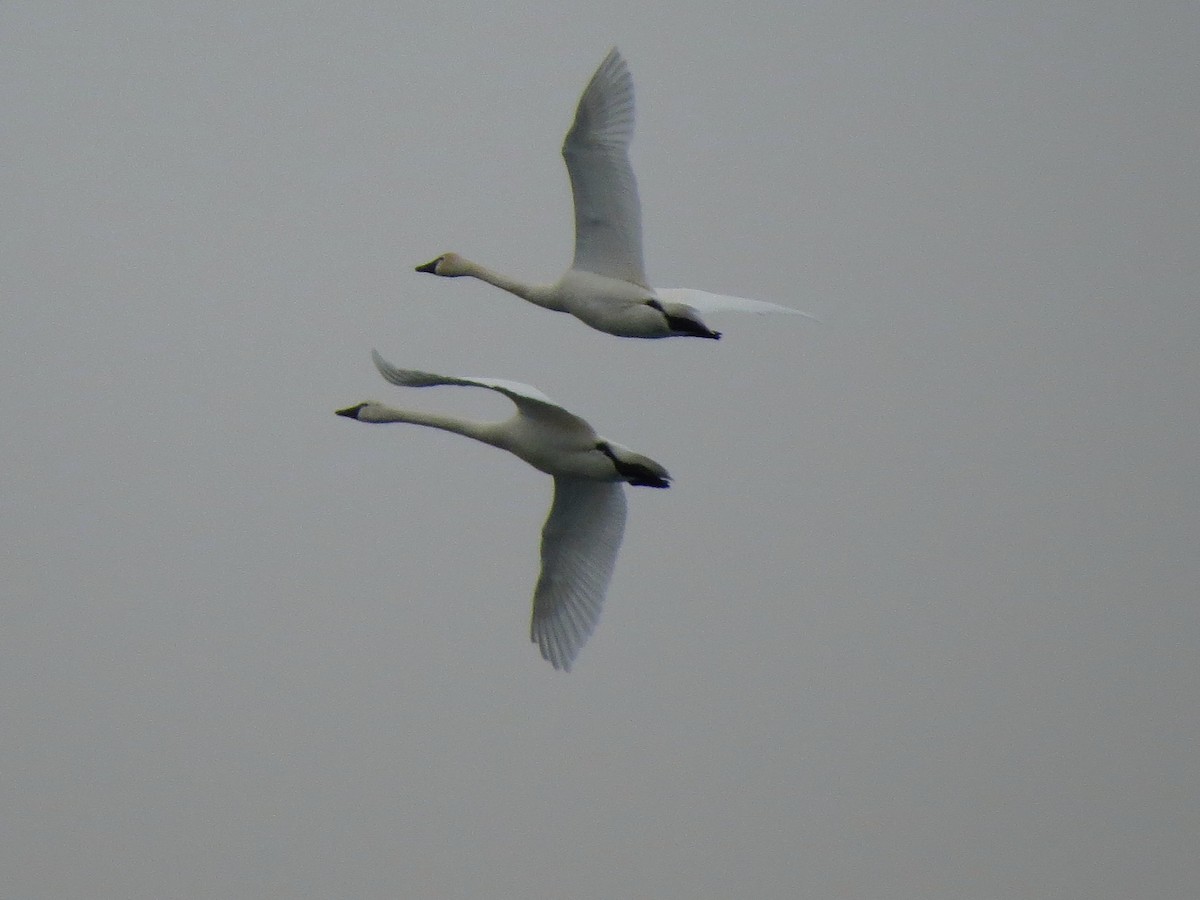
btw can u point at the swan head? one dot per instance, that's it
(634, 468)
(448, 265)
(367, 412)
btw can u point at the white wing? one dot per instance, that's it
(608, 216)
(579, 549)
(528, 399)
(703, 301)
(413, 378)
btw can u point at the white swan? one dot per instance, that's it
(587, 517)
(606, 285)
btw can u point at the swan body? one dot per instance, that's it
(586, 523)
(606, 286)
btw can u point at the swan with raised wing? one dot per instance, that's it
(583, 531)
(606, 286)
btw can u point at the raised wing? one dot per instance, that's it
(413, 378)
(579, 549)
(608, 215)
(529, 400)
(703, 301)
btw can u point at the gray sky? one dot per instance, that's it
(918, 618)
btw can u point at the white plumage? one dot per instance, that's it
(606, 286)
(583, 531)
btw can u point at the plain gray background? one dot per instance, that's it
(918, 618)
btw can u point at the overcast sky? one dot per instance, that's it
(918, 618)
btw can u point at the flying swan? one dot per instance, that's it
(606, 285)
(587, 517)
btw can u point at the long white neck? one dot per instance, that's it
(487, 432)
(542, 295)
